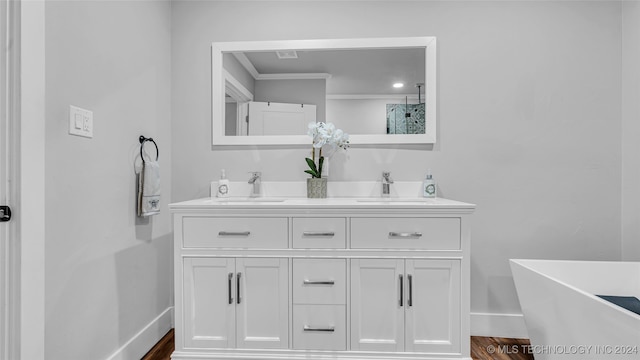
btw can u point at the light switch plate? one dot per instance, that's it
(80, 122)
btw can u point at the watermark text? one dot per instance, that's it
(563, 349)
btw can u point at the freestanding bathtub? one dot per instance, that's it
(564, 317)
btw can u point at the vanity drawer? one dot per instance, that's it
(319, 281)
(319, 327)
(235, 232)
(319, 233)
(436, 233)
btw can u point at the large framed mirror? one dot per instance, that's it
(378, 90)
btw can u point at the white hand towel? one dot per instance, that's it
(149, 189)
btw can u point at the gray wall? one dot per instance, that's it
(108, 274)
(238, 71)
(230, 118)
(529, 116)
(631, 131)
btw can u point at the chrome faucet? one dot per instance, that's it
(255, 180)
(386, 183)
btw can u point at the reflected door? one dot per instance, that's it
(269, 118)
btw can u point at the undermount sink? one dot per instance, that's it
(420, 200)
(246, 200)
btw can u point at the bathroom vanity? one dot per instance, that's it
(337, 278)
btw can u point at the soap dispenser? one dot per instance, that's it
(223, 185)
(429, 186)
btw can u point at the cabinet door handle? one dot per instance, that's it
(401, 290)
(238, 287)
(318, 233)
(318, 282)
(230, 286)
(319, 328)
(410, 299)
(234, 233)
(404, 234)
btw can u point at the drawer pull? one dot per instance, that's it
(404, 234)
(319, 328)
(318, 233)
(401, 281)
(410, 300)
(230, 286)
(238, 288)
(234, 233)
(318, 282)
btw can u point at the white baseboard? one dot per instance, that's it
(144, 340)
(498, 325)
(482, 324)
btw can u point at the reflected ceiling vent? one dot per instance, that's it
(287, 54)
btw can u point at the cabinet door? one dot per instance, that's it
(377, 305)
(262, 319)
(433, 306)
(209, 313)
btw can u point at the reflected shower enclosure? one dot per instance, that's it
(405, 118)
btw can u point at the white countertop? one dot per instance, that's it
(341, 195)
(328, 203)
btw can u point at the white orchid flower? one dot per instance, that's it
(325, 134)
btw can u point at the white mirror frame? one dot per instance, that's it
(218, 88)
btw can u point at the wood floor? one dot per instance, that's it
(163, 349)
(482, 348)
(494, 348)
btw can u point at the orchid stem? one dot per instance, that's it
(320, 163)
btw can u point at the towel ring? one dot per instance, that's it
(142, 140)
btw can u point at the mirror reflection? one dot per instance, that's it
(362, 91)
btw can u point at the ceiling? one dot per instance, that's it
(352, 71)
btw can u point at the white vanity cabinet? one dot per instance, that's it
(236, 303)
(405, 305)
(317, 279)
